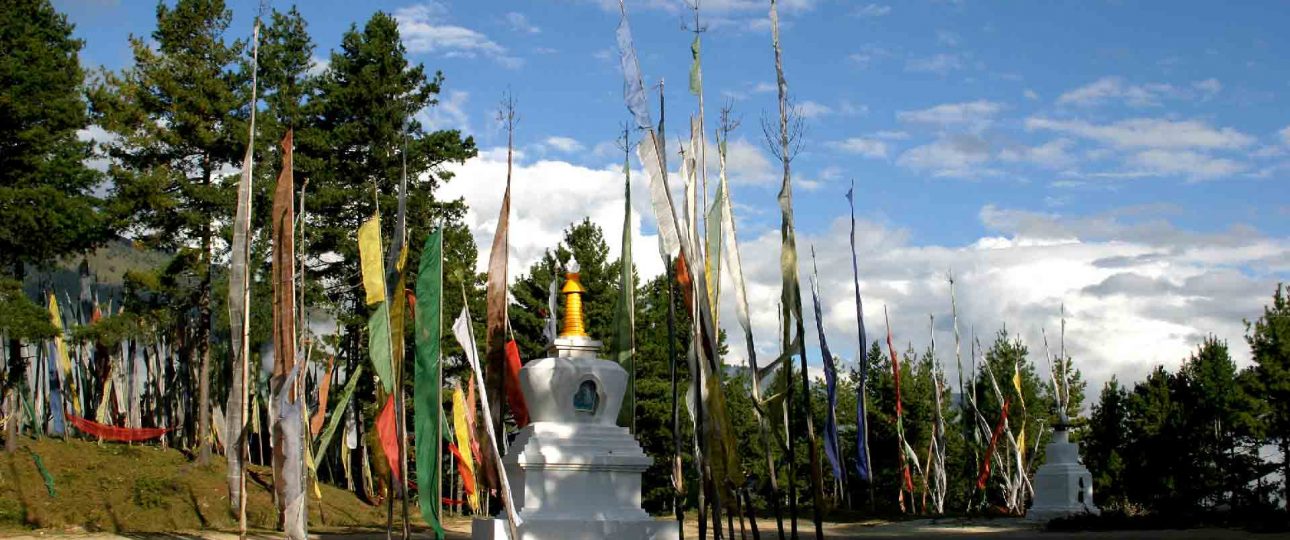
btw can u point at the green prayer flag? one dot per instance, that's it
(426, 373)
(696, 77)
(378, 345)
(625, 313)
(337, 413)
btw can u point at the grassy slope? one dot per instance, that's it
(115, 487)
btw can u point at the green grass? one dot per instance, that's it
(122, 488)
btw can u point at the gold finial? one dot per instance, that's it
(572, 291)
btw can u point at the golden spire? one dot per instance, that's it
(572, 291)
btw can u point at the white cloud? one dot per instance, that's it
(870, 148)
(563, 144)
(318, 65)
(940, 63)
(960, 156)
(746, 163)
(1148, 133)
(812, 109)
(871, 11)
(450, 113)
(1031, 95)
(846, 108)
(868, 54)
(1183, 287)
(1138, 291)
(1052, 154)
(1108, 89)
(520, 23)
(972, 114)
(1193, 165)
(535, 223)
(425, 30)
(1285, 135)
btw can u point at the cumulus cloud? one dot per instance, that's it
(547, 196)
(450, 113)
(425, 29)
(1138, 291)
(1169, 288)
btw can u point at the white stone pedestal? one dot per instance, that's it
(1063, 486)
(574, 473)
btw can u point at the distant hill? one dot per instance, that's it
(107, 267)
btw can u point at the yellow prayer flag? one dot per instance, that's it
(64, 361)
(1016, 383)
(369, 252)
(462, 432)
(1021, 441)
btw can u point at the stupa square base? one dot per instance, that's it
(581, 529)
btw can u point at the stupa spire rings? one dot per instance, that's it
(574, 323)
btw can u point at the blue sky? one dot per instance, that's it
(1128, 159)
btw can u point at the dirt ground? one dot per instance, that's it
(459, 529)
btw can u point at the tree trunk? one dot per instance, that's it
(203, 337)
(17, 370)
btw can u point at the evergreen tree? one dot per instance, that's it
(47, 205)
(1104, 443)
(177, 113)
(1269, 339)
(360, 126)
(1220, 428)
(585, 242)
(47, 208)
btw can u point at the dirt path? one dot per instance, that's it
(459, 529)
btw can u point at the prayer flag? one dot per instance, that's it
(387, 430)
(369, 252)
(426, 374)
(378, 345)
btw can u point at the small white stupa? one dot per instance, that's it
(1063, 485)
(575, 474)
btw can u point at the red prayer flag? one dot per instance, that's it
(514, 395)
(463, 470)
(389, 434)
(114, 433)
(989, 452)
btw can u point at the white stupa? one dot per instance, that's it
(575, 474)
(1063, 485)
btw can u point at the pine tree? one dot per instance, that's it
(47, 205)
(177, 113)
(585, 242)
(1104, 444)
(1269, 339)
(360, 125)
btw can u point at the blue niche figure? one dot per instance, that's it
(586, 399)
